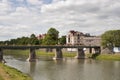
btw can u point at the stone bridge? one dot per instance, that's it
(58, 53)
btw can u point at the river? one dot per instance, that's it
(66, 69)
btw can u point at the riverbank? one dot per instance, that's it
(8, 73)
(38, 53)
(108, 57)
(25, 53)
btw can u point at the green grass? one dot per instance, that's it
(16, 52)
(1, 78)
(38, 53)
(65, 54)
(43, 53)
(108, 57)
(8, 73)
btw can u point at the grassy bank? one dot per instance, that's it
(65, 54)
(8, 73)
(38, 53)
(108, 57)
(16, 52)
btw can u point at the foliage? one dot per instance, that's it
(32, 36)
(62, 40)
(51, 37)
(108, 57)
(40, 53)
(32, 40)
(111, 38)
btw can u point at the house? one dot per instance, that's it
(79, 38)
(41, 36)
(74, 38)
(92, 41)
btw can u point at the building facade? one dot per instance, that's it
(41, 36)
(92, 41)
(78, 38)
(74, 38)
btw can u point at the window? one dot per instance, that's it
(78, 36)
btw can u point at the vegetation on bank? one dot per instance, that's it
(50, 38)
(65, 54)
(111, 38)
(108, 57)
(8, 73)
(38, 53)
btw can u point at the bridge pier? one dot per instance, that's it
(97, 50)
(58, 54)
(1, 55)
(80, 53)
(32, 55)
(90, 50)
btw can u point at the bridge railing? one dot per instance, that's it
(45, 46)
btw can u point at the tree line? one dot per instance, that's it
(51, 38)
(111, 38)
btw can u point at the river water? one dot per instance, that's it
(66, 69)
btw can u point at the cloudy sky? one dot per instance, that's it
(24, 17)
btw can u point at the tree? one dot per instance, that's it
(32, 36)
(111, 38)
(62, 40)
(51, 37)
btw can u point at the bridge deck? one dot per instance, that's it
(45, 46)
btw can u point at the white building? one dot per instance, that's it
(78, 38)
(74, 38)
(116, 49)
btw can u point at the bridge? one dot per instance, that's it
(58, 53)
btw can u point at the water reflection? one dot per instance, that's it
(32, 68)
(68, 69)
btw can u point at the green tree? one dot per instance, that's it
(33, 40)
(51, 37)
(111, 38)
(32, 36)
(62, 40)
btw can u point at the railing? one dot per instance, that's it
(45, 46)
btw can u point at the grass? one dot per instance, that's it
(65, 54)
(1, 78)
(8, 73)
(108, 57)
(16, 52)
(38, 53)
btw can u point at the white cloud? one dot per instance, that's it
(4, 8)
(90, 16)
(34, 2)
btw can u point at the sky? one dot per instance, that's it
(25, 17)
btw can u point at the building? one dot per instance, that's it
(92, 41)
(41, 36)
(74, 38)
(79, 38)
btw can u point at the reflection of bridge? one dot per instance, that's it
(58, 53)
